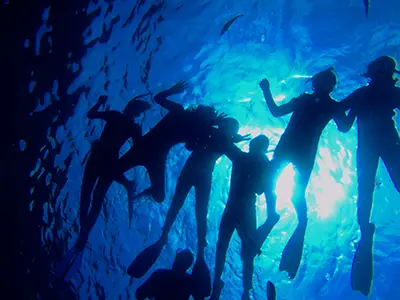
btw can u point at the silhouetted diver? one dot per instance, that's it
(299, 144)
(99, 173)
(174, 284)
(180, 125)
(373, 106)
(197, 173)
(248, 179)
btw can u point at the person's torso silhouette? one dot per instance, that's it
(117, 130)
(310, 116)
(374, 106)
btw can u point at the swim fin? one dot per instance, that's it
(271, 291)
(202, 279)
(69, 265)
(291, 256)
(145, 260)
(363, 267)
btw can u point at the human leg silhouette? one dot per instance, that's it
(362, 267)
(272, 216)
(182, 190)
(201, 272)
(226, 229)
(367, 165)
(156, 169)
(146, 259)
(99, 194)
(249, 222)
(291, 256)
(203, 191)
(90, 177)
(71, 263)
(391, 158)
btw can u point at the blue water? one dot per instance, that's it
(283, 40)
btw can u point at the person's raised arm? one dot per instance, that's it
(94, 112)
(276, 111)
(162, 97)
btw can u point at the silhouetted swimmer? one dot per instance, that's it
(173, 284)
(180, 125)
(196, 173)
(99, 173)
(299, 144)
(248, 179)
(373, 106)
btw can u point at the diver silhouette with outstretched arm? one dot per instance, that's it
(180, 125)
(249, 172)
(373, 106)
(197, 173)
(98, 175)
(173, 284)
(299, 144)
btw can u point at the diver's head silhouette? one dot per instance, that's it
(183, 261)
(259, 144)
(136, 107)
(324, 82)
(383, 67)
(229, 126)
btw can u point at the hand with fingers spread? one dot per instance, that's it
(178, 88)
(220, 118)
(241, 138)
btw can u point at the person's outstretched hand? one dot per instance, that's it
(221, 117)
(241, 138)
(264, 84)
(178, 88)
